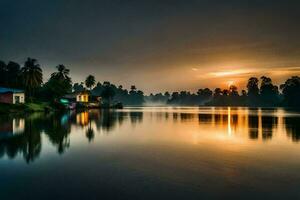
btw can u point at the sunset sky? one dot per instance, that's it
(156, 45)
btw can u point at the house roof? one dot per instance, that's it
(10, 90)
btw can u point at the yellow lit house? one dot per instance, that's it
(82, 97)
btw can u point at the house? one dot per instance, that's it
(88, 97)
(82, 97)
(11, 96)
(75, 97)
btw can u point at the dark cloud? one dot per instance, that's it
(134, 41)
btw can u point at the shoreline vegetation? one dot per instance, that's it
(43, 95)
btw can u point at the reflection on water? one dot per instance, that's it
(9, 128)
(191, 151)
(23, 134)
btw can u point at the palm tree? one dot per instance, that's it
(90, 82)
(59, 83)
(62, 73)
(32, 75)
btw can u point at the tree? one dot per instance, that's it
(217, 97)
(225, 92)
(132, 89)
(217, 92)
(268, 92)
(90, 81)
(244, 93)
(204, 95)
(291, 91)
(174, 98)
(32, 76)
(61, 74)
(243, 98)
(59, 83)
(253, 91)
(78, 87)
(139, 97)
(167, 95)
(233, 91)
(136, 97)
(108, 92)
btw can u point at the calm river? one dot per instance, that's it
(152, 153)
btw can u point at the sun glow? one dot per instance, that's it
(230, 83)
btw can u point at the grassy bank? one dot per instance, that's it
(24, 108)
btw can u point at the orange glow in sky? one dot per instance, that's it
(230, 83)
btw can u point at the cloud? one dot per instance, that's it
(231, 73)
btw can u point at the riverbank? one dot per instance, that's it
(24, 108)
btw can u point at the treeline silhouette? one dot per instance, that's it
(30, 78)
(259, 91)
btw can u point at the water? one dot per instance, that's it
(152, 153)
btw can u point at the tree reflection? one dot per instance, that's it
(57, 128)
(185, 117)
(236, 120)
(205, 118)
(293, 128)
(268, 122)
(136, 117)
(107, 121)
(90, 134)
(33, 146)
(28, 142)
(253, 127)
(175, 117)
